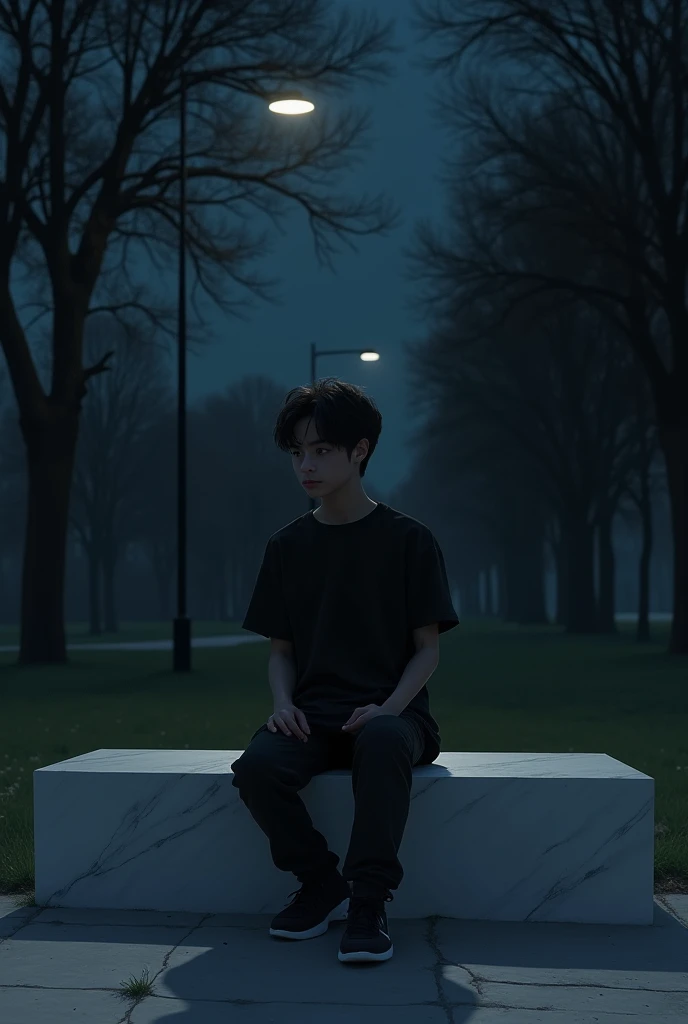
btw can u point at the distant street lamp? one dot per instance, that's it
(367, 355)
(290, 103)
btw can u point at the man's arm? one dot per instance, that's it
(281, 671)
(418, 670)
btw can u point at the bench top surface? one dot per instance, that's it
(456, 764)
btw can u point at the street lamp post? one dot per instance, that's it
(291, 103)
(366, 354)
(182, 623)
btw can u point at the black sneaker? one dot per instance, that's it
(314, 905)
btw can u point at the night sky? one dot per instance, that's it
(363, 304)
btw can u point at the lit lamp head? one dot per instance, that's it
(370, 357)
(290, 103)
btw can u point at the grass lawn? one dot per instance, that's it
(497, 688)
(77, 632)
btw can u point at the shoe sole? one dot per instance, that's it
(339, 913)
(364, 957)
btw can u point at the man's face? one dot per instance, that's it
(315, 459)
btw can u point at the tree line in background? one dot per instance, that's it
(493, 503)
(553, 367)
(123, 498)
(558, 284)
(90, 201)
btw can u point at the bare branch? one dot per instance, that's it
(594, 144)
(88, 106)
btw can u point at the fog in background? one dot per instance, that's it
(502, 554)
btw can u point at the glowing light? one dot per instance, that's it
(370, 357)
(291, 105)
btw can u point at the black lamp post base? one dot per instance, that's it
(182, 644)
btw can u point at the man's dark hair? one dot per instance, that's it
(343, 415)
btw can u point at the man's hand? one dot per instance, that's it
(291, 721)
(362, 715)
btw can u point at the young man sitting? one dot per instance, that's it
(353, 596)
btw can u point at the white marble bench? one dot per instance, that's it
(490, 836)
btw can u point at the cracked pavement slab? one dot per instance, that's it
(59, 965)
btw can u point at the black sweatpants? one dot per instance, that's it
(381, 755)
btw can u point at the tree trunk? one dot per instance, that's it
(216, 590)
(523, 561)
(674, 441)
(501, 608)
(533, 606)
(50, 436)
(109, 577)
(492, 599)
(580, 597)
(507, 584)
(236, 611)
(162, 574)
(231, 604)
(93, 557)
(222, 587)
(606, 622)
(560, 556)
(470, 596)
(643, 625)
(4, 590)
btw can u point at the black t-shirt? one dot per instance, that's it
(348, 597)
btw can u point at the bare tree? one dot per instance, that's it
(591, 121)
(487, 475)
(88, 92)
(547, 380)
(9, 498)
(486, 502)
(152, 524)
(109, 465)
(242, 489)
(646, 480)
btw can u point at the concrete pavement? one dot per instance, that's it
(232, 641)
(157, 645)
(65, 965)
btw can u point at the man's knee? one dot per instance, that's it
(254, 764)
(383, 731)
